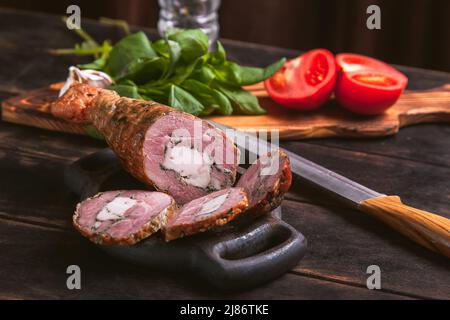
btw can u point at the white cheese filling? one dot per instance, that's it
(192, 165)
(269, 165)
(115, 209)
(213, 204)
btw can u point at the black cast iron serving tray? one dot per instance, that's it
(243, 253)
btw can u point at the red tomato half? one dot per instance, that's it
(367, 86)
(305, 82)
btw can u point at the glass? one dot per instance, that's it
(190, 14)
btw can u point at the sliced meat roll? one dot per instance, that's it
(173, 151)
(123, 217)
(266, 181)
(201, 214)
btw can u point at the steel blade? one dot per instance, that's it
(309, 172)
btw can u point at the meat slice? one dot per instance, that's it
(266, 181)
(173, 151)
(122, 217)
(201, 214)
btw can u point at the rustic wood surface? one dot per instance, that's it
(38, 242)
(429, 106)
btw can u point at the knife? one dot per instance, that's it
(427, 229)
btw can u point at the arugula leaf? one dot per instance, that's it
(127, 50)
(126, 90)
(194, 43)
(242, 101)
(208, 97)
(184, 101)
(234, 74)
(100, 62)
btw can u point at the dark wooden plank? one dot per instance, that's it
(428, 143)
(37, 68)
(35, 267)
(34, 187)
(31, 153)
(43, 143)
(28, 64)
(33, 190)
(343, 242)
(32, 162)
(421, 185)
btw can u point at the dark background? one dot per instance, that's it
(414, 32)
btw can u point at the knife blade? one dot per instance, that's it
(307, 171)
(427, 229)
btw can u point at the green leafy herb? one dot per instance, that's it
(219, 56)
(234, 74)
(126, 90)
(242, 101)
(208, 96)
(177, 70)
(140, 70)
(194, 43)
(127, 51)
(184, 101)
(92, 131)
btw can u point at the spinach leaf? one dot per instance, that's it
(193, 42)
(98, 64)
(210, 98)
(126, 90)
(242, 101)
(144, 70)
(184, 71)
(184, 101)
(127, 50)
(93, 132)
(204, 74)
(177, 70)
(219, 56)
(158, 94)
(174, 50)
(161, 48)
(234, 74)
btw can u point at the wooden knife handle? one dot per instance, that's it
(427, 229)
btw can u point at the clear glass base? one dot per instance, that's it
(190, 14)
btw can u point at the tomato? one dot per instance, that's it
(367, 86)
(305, 82)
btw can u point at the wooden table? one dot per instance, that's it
(37, 241)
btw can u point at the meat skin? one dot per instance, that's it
(193, 223)
(87, 211)
(124, 124)
(74, 105)
(265, 193)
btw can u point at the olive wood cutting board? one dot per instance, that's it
(33, 108)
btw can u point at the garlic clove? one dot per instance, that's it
(93, 78)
